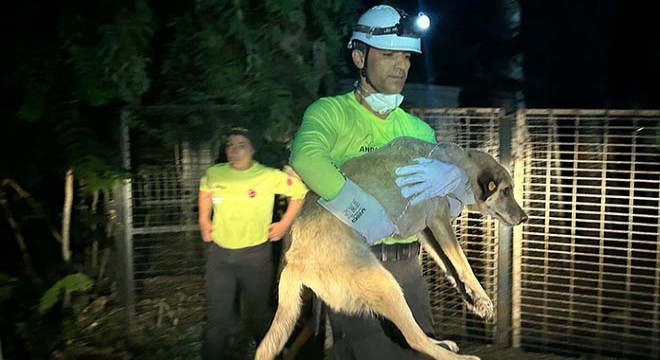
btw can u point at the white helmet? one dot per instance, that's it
(387, 28)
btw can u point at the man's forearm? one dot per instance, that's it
(318, 173)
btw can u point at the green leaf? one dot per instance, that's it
(91, 83)
(7, 284)
(71, 283)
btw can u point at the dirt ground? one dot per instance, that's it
(314, 350)
(493, 352)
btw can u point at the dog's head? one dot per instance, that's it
(493, 189)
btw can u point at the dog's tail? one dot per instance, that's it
(288, 311)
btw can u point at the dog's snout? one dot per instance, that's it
(524, 218)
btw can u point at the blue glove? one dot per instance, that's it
(430, 178)
(362, 212)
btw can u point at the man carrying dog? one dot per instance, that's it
(336, 129)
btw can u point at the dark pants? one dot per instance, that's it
(235, 277)
(370, 337)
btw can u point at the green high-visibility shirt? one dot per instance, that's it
(336, 129)
(243, 201)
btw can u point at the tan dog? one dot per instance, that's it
(338, 265)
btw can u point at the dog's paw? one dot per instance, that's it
(481, 304)
(451, 280)
(484, 308)
(447, 344)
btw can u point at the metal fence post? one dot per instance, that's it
(504, 251)
(520, 167)
(124, 233)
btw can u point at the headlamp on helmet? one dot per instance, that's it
(387, 28)
(412, 27)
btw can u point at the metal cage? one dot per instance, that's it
(581, 276)
(588, 260)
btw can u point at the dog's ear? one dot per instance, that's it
(488, 185)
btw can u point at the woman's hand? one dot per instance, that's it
(206, 228)
(277, 230)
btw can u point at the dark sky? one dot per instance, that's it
(591, 54)
(577, 54)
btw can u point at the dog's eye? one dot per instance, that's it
(492, 186)
(487, 184)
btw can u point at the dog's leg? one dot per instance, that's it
(444, 235)
(288, 311)
(432, 248)
(383, 295)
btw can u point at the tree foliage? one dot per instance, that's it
(255, 55)
(82, 63)
(93, 60)
(74, 83)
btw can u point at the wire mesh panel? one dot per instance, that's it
(167, 249)
(471, 129)
(590, 252)
(165, 264)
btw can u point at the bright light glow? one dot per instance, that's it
(423, 22)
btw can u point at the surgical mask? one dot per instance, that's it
(379, 102)
(384, 103)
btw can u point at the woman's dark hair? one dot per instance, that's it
(237, 130)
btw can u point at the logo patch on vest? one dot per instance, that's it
(367, 145)
(367, 148)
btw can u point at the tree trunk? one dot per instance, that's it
(66, 215)
(104, 264)
(27, 260)
(36, 208)
(95, 243)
